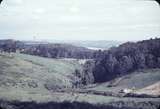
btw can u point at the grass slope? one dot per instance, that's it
(24, 75)
(137, 80)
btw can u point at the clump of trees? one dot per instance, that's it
(8, 45)
(126, 58)
(87, 77)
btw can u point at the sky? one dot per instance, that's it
(79, 19)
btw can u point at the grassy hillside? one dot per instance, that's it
(24, 74)
(136, 80)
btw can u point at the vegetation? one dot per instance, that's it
(126, 58)
(46, 49)
(107, 65)
(77, 105)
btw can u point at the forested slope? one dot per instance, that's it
(126, 58)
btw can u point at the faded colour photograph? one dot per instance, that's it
(79, 54)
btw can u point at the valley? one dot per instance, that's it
(29, 81)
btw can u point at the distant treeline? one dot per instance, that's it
(46, 49)
(126, 58)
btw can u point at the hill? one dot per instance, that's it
(31, 74)
(95, 45)
(125, 59)
(50, 50)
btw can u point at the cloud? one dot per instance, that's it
(13, 2)
(39, 11)
(84, 18)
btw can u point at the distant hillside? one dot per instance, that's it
(58, 49)
(96, 45)
(51, 50)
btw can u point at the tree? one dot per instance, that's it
(127, 58)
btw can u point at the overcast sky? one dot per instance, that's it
(79, 19)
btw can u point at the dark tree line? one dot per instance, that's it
(126, 58)
(46, 50)
(58, 51)
(76, 105)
